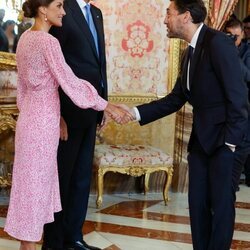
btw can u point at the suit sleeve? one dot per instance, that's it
(81, 92)
(226, 64)
(165, 106)
(245, 66)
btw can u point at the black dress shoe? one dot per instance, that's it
(82, 245)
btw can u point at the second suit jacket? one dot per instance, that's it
(79, 50)
(217, 93)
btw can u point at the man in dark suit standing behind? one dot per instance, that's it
(211, 81)
(82, 40)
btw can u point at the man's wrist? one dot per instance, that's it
(137, 114)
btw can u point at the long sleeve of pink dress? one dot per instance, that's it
(35, 188)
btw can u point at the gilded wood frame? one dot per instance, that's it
(8, 109)
(7, 61)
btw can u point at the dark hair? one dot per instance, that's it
(30, 7)
(246, 19)
(233, 22)
(196, 8)
(8, 23)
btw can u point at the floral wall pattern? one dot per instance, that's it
(136, 46)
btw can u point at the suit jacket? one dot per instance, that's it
(217, 93)
(80, 53)
(244, 54)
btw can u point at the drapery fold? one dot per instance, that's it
(219, 12)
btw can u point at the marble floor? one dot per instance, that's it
(138, 222)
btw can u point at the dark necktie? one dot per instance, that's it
(189, 60)
(92, 28)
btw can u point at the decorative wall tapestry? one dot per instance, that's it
(136, 46)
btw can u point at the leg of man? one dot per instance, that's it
(76, 208)
(241, 156)
(222, 182)
(199, 205)
(247, 171)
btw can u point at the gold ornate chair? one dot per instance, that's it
(134, 150)
(133, 160)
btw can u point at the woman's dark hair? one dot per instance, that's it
(196, 8)
(30, 7)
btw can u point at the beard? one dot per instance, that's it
(175, 32)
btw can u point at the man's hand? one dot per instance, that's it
(120, 113)
(129, 110)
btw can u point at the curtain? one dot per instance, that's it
(219, 12)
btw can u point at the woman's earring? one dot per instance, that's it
(45, 18)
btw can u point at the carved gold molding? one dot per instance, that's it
(131, 99)
(8, 116)
(134, 171)
(7, 61)
(174, 60)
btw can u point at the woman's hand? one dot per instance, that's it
(119, 113)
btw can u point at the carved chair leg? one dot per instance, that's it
(146, 181)
(168, 182)
(99, 187)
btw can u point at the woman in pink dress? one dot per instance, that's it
(41, 69)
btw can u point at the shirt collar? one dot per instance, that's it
(195, 36)
(81, 3)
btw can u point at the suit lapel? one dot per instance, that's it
(197, 54)
(82, 23)
(183, 72)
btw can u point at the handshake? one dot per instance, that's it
(120, 113)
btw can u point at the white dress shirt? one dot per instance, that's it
(193, 45)
(82, 5)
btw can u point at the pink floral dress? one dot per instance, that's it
(35, 188)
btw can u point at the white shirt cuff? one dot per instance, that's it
(137, 114)
(230, 145)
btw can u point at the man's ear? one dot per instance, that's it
(187, 17)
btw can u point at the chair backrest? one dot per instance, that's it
(131, 133)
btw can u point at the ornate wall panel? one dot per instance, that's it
(136, 46)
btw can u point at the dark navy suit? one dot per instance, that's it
(75, 155)
(218, 96)
(244, 150)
